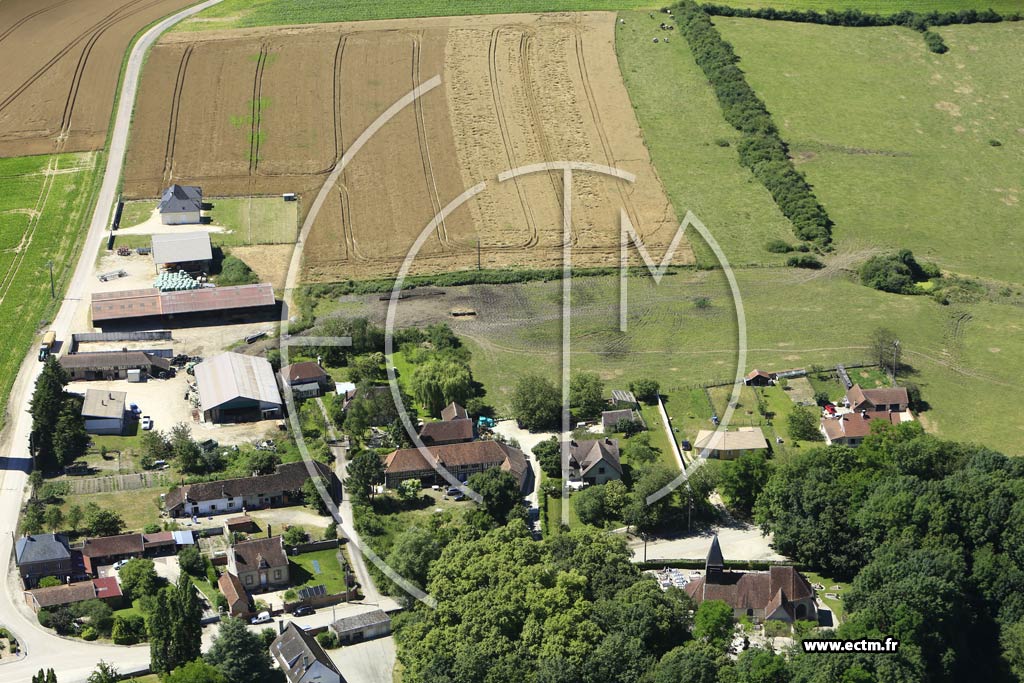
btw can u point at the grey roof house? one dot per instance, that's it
(181, 204)
(302, 659)
(42, 555)
(103, 411)
(595, 461)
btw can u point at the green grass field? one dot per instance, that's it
(256, 220)
(897, 140)
(968, 373)
(43, 210)
(241, 13)
(682, 126)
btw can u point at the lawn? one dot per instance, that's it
(659, 437)
(303, 571)
(249, 220)
(835, 605)
(135, 213)
(691, 145)
(137, 507)
(254, 220)
(240, 13)
(900, 143)
(44, 204)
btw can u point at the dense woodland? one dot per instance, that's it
(929, 531)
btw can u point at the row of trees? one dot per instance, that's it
(917, 21)
(58, 434)
(760, 148)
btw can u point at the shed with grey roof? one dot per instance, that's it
(181, 204)
(359, 627)
(237, 388)
(188, 251)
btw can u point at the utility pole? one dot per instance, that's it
(53, 293)
(478, 253)
(895, 356)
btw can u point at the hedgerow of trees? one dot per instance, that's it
(917, 21)
(760, 148)
(58, 434)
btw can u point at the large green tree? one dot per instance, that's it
(713, 624)
(537, 403)
(500, 493)
(803, 424)
(138, 578)
(742, 479)
(440, 381)
(363, 472)
(45, 407)
(238, 653)
(70, 439)
(586, 394)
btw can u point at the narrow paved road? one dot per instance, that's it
(348, 523)
(73, 660)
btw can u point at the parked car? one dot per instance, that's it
(147, 422)
(262, 618)
(135, 410)
(453, 491)
(119, 564)
(303, 611)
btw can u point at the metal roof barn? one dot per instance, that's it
(141, 303)
(233, 381)
(184, 247)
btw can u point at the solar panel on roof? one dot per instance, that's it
(312, 591)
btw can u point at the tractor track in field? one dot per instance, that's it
(339, 55)
(533, 234)
(556, 177)
(424, 146)
(28, 17)
(602, 135)
(172, 123)
(256, 111)
(90, 34)
(30, 230)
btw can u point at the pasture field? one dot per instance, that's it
(692, 146)
(248, 13)
(62, 62)
(43, 205)
(515, 91)
(905, 148)
(966, 359)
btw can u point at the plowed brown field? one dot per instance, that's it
(61, 60)
(263, 111)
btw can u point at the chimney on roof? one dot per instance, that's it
(305, 661)
(280, 627)
(572, 442)
(608, 441)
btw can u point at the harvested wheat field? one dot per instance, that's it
(61, 65)
(269, 110)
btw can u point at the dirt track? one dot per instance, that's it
(263, 111)
(61, 65)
